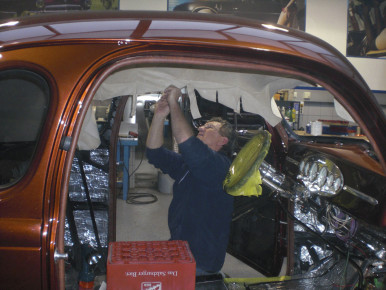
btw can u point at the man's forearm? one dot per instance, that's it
(181, 129)
(155, 138)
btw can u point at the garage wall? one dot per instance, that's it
(325, 19)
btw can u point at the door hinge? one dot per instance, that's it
(59, 256)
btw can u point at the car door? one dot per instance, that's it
(25, 105)
(40, 105)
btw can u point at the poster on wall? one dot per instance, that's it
(366, 32)
(290, 13)
(17, 8)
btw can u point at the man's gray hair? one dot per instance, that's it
(226, 130)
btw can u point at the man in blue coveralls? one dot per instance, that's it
(200, 211)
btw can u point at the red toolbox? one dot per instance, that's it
(159, 265)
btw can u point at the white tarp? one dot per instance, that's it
(256, 90)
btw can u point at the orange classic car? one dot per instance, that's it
(322, 210)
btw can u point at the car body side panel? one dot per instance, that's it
(21, 267)
(26, 210)
(20, 253)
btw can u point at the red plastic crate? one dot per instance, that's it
(158, 265)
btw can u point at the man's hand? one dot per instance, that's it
(162, 107)
(180, 127)
(172, 93)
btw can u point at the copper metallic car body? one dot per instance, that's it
(75, 62)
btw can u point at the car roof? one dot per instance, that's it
(179, 26)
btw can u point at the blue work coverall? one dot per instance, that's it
(200, 211)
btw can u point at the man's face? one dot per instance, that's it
(210, 135)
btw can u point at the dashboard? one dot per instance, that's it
(326, 173)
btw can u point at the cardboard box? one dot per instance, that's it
(157, 265)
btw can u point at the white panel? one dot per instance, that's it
(143, 5)
(372, 70)
(327, 20)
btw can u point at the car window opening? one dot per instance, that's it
(200, 101)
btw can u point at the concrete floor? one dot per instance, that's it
(148, 222)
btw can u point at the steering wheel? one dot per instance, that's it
(243, 178)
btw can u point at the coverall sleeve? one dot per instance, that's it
(167, 161)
